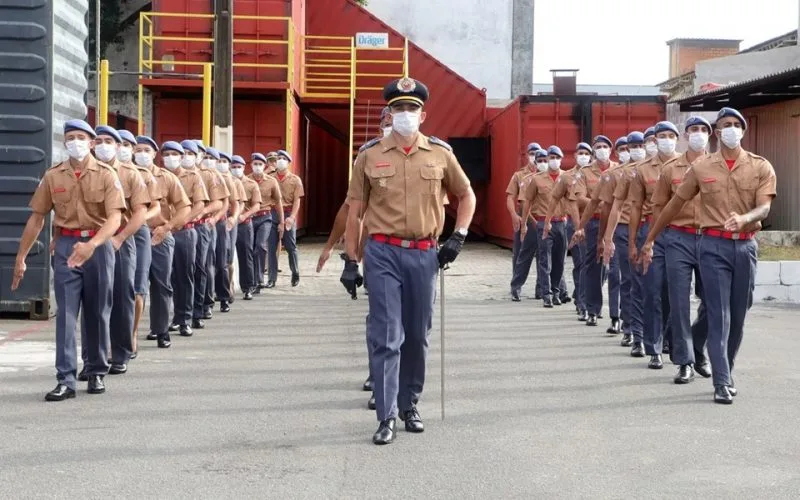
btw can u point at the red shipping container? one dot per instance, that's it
(563, 121)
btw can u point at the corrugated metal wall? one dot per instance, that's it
(561, 121)
(774, 133)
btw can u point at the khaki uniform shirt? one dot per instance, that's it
(403, 193)
(516, 184)
(538, 191)
(150, 182)
(291, 187)
(723, 191)
(643, 180)
(171, 193)
(671, 177)
(608, 187)
(132, 185)
(270, 191)
(251, 192)
(214, 183)
(79, 203)
(193, 185)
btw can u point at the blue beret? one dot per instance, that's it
(602, 138)
(534, 146)
(734, 113)
(651, 131)
(272, 154)
(237, 160)
(697, 120)
(80, 126)
(212, 153)
(127, 136)
(224, 156)
(143, 139)
(172, 146)
(283, 153)
(258, 156)
(405, 89)
(540, 153)
(584, 146)
(622, 141)
(200, 145)
(555, 150)
(666, 126)
(635, 137)
(109, 131)
(386, 111)
(189, 146)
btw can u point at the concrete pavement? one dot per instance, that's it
(266, 403)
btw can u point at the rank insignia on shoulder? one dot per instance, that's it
(439, 142)
(369, 144)
(118, 184)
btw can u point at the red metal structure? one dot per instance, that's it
(563, 121)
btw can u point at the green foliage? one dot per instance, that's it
(110, 33)
(363, 3)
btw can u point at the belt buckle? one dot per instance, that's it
(736, 236)
(85, 234)
(405, 243)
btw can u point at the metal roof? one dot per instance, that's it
(767, 89)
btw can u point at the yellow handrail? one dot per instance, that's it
(352, 109)
(207, 103)
(102, 98)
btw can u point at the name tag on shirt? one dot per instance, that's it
(383, 164)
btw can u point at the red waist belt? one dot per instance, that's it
(246, 221)
(687, 229)
(189, 225)
(121, 228)
(78, 233)
(425, 244)
(596, 216)
(727, 235)
(648, 219)
(262, 212)
(539, 218)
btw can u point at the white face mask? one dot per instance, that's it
(651, 149)
(583, 160)
(258, 169)
(210, 163)
(405, 123)
(541, 166)
(387, 131)
(198, 159)
(282, 164)
(698, 141)
(143, 159)
(603, 154)
(624, 156)
(188, 161)
(666, 145)
(77, 149)
(531, 160)
(223, 166)
(637, 154)
(172, 162)
(731, 137)
(125, 154)
(105, 152)
(237, 172)
(554, 164)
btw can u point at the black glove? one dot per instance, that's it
(351, 278)
(450, 249)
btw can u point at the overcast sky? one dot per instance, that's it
(631, 48)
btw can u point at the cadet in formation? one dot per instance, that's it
(523, 252)
(398, 187)
(284, 213)
(263, 222)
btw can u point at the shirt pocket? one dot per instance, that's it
(61, 196)
(747, 189)
(380, 177)
(432, 175)
(94, 195)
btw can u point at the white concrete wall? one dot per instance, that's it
(472, 37)
(778, 282)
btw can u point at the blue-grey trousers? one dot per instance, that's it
(87, 289)
(656, 300)
(631, 320)
(161, 286)
(144, 256)
(124, 304)
(523, 253)
(728, 269)
(594, 272)
(204, 238)
(222, 282)
(211, 270)
(183, 284)
(577, 263)
(289, 244)
(244, 252)
(550, 258)
(402, 291)
(262, 241)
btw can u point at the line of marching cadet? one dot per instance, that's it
(646, 225)
(124, 228)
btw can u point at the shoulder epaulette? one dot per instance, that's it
(755, 156)
(439, 142)
(369, 144)
(106, 166)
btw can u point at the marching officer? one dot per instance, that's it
(137, 200)
(262, 221)
(521, 265)
(224, 227)
(183, 164)
(272, 163)
(141, 238)
(398, 185)
(173, 215)
(642, 185)
(681, 242)
(736, 189)
(251, 200)
(237, 162)
(291, 189)
(215, 210)
(551, 235)
(615, 242)
(621, 149)
(650, 143)
(87, 198)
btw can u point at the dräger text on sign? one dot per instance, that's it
(372, 40)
